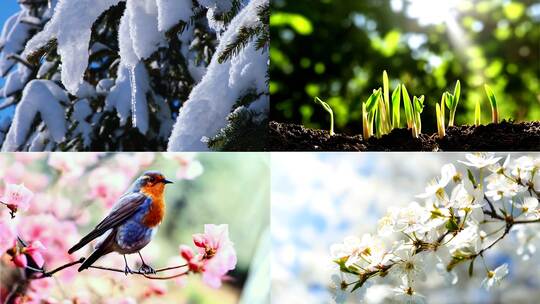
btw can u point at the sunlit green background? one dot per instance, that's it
(338, 49)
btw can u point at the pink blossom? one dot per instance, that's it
(56, 235)
(217, 251)
(33, 250)
(107, 185)
(17, 197)
(56, 204)
(29, 157)
(7, 236)
(14, 173)
(72, 165)
(189, 167)
(154, 289)
(121, 301)
(195, 262)
(145, 159)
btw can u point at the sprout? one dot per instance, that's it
(452, 102)
(477, 114)
(382, 117)
(408, 107)
(329, 110)
(386, 91)
(418, 108)
(369, 111)
(493, 102)
(413, 111)
(440, 117)
(396, 104)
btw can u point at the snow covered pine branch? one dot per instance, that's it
(450, 228)
(143, 75)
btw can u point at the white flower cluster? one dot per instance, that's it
(458, 218)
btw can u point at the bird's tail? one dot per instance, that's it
(99, 252)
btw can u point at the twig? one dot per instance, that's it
(12, 293)
(48, 274)
(136, 272)
(493, 212)
(527, 222)
(509, 225)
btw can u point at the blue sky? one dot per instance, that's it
(7, 8)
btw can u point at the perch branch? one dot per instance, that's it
(47, 274)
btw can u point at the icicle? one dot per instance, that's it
(133, 82)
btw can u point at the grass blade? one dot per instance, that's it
(408, 107)
(457, 92)
(396, 107)
(329, 110)
(477, 114)
(386, 92)
(493, 103)
(365, 122)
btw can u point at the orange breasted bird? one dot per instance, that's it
(131, 223)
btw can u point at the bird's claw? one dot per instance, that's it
(147, 269)
(127, 270)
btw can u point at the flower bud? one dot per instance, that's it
(186, 252)
(199, 240)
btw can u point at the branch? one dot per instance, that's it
(527, 221)
(493, 213)
(47, 274)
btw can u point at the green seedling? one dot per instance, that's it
(493, 103)
(328, 109)
(477, 114)
(440, 117)
(396, 107)
(413, 111)
(382, 111)
(408, 107)
(386, 91)
(418, 108)
(369, 112)
(452, 102)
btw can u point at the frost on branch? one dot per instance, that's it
(461, 218)
(71, 26)
(227, 80)
(41, 97)
(142, 60)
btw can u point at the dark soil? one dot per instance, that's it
(505, 136)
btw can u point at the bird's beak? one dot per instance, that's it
(166, 181)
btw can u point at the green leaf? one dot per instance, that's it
(396, 104)
(471, 177)
(493, 103)
(330, 112)
(471, 268)
(419, 104)
(491, 96)
(449, 101)
(452, 225)
(477, 114)
(358, 285)
(386, 91)
(457, 93)
(371, 103)
(408, 106)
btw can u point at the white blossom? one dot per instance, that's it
(480, 160)
(495, 276)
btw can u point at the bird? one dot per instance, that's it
(131, 223)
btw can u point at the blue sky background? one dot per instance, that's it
(7, 8)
